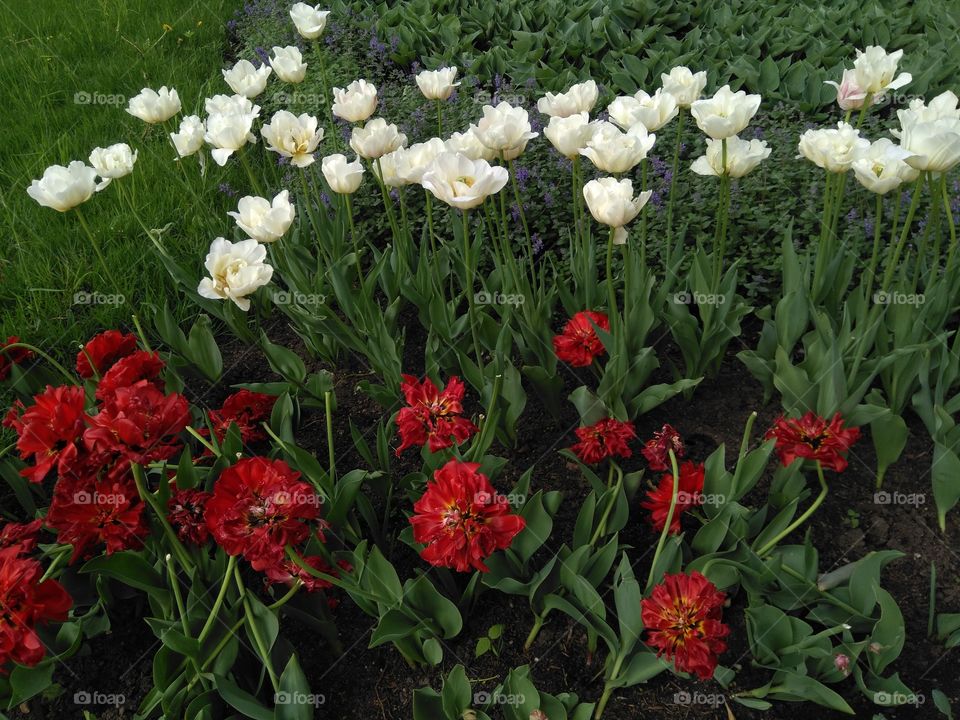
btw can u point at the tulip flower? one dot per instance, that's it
(190, 138)
(569, 135)
(385, 168)
(63, 188)
(833, 149)
(229, 125)
(287, 63)
(236, 271)
(437, 84)
(685, 85)
(112, 162)
(356, 102)
(376, 139)
(154, 106)
(309, 21)
(247, 80)
(579, 98)
(742, 157)
(262, 220)
(461, 182)
(613, 151)
(415, 160)
(850, 96)
(504, 129)
(726, 113)
(467, 143)
(882, 167)
(875, 70)
(934, 145)
(942, 107)
(651, 111)
(612, 203)
(343, 177)
(294, 137)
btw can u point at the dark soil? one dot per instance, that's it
(365, 683)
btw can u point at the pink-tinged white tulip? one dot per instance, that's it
(63, 188)
(569, 135)
(154, 106)
(612, 203)
(246, 79)
(229, 125)
(651, 111)
(437, 84)
(461, 182)
(287, 63)
(504, 129)
(376, 139)
(743, 156)
(875, 70)
(833, 149)
(942, 107)
(292, 136)
(356, 102)
(343, 177)
(236, 270)
(685, 85)
(850, 96)
(726, 113)
(882, 167)
(115, 161)
(263, 220)
(579, 98)
(309, 20)
(934, 146)
(467, 143)
(613, 151)
(189, 139)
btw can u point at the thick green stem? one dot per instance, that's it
(668, 521)
(328, 409)
(905, 231)
(150, 499)
(602, 526)
(471, 301)
(608, 687)
(439, 118)
(218, 603)
(353, 237)
(675, 168)
(538, 621)
(37, 351)
(803, 518)
(611, 291)
(875, 256)
(950, 221)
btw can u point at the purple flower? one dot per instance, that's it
(522, 175)
(548, 198)
(226, 189)
(263, 55)
(536, 244)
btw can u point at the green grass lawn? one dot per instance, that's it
(67, 74)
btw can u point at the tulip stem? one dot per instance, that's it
(673, 188)
(932, 225)
(439, 118)
(328, 410)
(611, 291)
(602, 526)
(150, 499)
(668, 521)
(950, 221)
(608, 686)
(898, 250)
(218, 602)
(353, 237)
(723, 209)
(538, 621)
(468, 271)
(643, 210)
(245, 161)
(803, 518)
(327, 99)
(875, 256)
(96, 248)
(5, 349)
(523, 218)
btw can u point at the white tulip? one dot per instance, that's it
(467, 143)
(461, 182)
(287, 63)
(833, 149)
(229, 125)
(342, 176)
(611, 202)
(726, 113)
(63, 188)
(246, 79)
(504, 129)
(934, 146)
(685, 85)
(262, 220)
(613, 151)
(376, 139)
(882, 167)
(415, 160)
(309, 20)
(743, 156)
(386, 166)
(579, 98)
(356, 102)
(942, 107)
(154, 106)
(850, 96)
(569, 135)
(236, 271)
(437, 84)
(875, 68)
(113, 162)
(190, 138)
(652, 111)
(294, 137)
